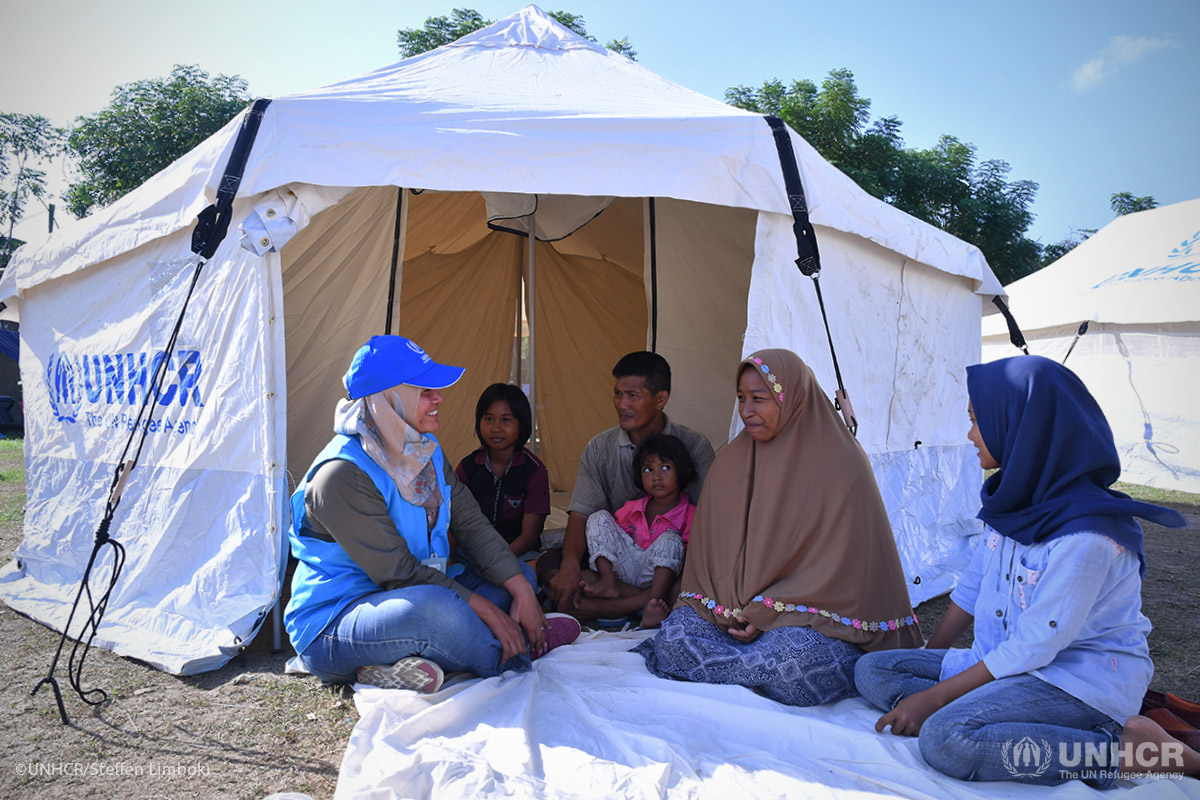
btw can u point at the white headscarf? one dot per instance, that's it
(379, 420)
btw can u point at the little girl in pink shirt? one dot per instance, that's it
(638, 552)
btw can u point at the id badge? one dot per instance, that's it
(437, 562)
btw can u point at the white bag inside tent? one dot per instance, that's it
(1136, 283)
(687, 249)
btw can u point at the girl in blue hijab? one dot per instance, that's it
(1051, 688)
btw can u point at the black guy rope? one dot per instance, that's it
(211, 226)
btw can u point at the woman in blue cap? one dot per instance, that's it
(1051, 688)
(374, 596)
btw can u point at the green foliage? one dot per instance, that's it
(147, 125)
(438, 31)
(1122, 203)
(943, 185)
(7, 248)
(1125, 203)
(25, 139)
(575, 23)
(622, 46)
(1056, 250)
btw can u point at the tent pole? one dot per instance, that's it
(531, 313)
(653, 280)
(391, 300)
(514, 371)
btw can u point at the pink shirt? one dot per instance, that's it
(632, 519)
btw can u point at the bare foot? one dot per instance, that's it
(605, 588)
(1152, 749)
(654, 613)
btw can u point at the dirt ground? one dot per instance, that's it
(247, 730)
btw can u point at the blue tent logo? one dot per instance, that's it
(62, 379)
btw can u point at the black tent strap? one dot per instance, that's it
(808, 259)
(1014, 331)
(213, 222)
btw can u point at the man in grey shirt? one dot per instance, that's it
(605, 480)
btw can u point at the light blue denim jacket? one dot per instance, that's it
(1068, 611)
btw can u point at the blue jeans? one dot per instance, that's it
(429, 621)
(1011, 729)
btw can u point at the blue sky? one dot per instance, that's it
(1084, 98)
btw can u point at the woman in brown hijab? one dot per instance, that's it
(792, 571)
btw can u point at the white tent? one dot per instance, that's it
(690, 252)
(1136, 283)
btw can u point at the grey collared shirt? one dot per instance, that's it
(605, 479)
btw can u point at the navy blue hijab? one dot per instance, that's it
(1057, 457)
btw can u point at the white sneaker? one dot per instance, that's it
(418, 674)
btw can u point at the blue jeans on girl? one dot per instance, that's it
(432, 622)
(1012, 729)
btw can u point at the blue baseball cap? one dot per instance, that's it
(387, 361)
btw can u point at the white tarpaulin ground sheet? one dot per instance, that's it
(590, 721)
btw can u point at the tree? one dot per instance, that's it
(942, 185)
(1055, 250)
(24, 140)
(1121, 202)
(146, 126)
(438, 31)
(1125, 203)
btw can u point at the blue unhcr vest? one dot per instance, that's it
(327, 579)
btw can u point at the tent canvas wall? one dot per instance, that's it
(692, 255)
(1136, 283)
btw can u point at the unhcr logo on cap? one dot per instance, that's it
(416, 348)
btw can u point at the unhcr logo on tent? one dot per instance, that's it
(63, 382)
(122, 379)
(1187, 271)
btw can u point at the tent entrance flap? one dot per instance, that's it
(557, 216)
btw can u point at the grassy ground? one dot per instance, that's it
(244, 731)
(247, 730)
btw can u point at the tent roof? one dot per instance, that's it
(1139, 268)
(523, 106)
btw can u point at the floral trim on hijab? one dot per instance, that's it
(403, 453)
(772, 381)
(780, 607)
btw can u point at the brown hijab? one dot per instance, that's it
(793, 531)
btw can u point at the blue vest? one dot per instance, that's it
(327, 579)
